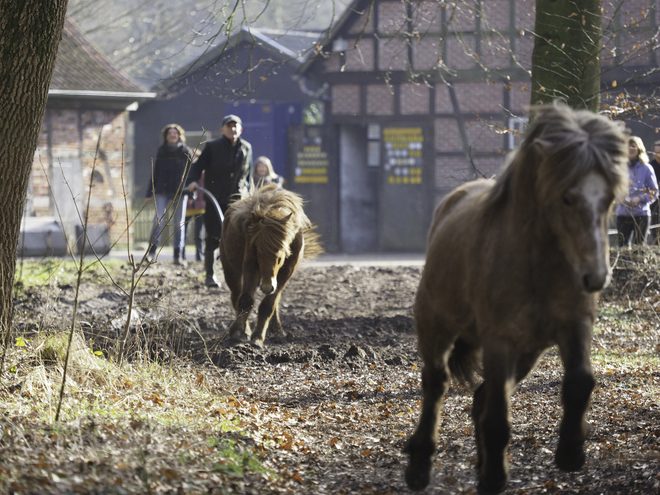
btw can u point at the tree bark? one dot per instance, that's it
(30, 33)
(566, 56)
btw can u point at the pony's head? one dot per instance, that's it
(276, 218)
(581, 160)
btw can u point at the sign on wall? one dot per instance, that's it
(403, 155)
(312, 160)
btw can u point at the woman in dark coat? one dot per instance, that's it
(170, 171)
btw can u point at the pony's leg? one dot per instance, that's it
(478, 405)
(240, 329)
(421, 446)
(234, 283)
(268, 312)
(578, 383)
(523, 366)
(492, 422)
(264, 314)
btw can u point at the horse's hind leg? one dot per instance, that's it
(421, 446)
(576, 392)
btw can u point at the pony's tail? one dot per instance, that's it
(313, 245)
(465, 362)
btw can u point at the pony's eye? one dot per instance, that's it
(566, 201)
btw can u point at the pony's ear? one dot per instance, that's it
(256, 218)
(287, 218)
(542, 147)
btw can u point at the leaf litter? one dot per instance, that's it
(325, 409)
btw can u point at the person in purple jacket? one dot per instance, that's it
(634, 212)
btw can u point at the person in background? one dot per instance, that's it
(655, 206)
(633, 213)
(264, 173)
(227, 162)
(167, 186)
(195, 215)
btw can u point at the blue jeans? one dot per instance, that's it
(167, 215)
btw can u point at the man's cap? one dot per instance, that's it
(231, 118)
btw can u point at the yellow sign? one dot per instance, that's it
(311, 166)
(403, 162)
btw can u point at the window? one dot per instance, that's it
(517, 126)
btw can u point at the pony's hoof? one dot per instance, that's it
(257, 343)
(277, 332)
(232, 341)
(418, 473)
(235, 338)
(492, 487)
(570, 458)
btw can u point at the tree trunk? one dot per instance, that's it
(30, 33)
(566, 56)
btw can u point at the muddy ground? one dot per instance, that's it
(345, 384)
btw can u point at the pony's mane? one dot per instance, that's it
(563, 145)
(271, 217)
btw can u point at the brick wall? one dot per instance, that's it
(451, 172)
(39, 191)
(461, 52)
(635, 49)
(362, 57)
(479, 97)
(73, 142)
(332, 63)
(363, 24)
(523, 50)
(447, 136)
(520, 94)
(426, 52)
(107, 201)
(485, 136)
(346, 99)
(380, 100)
(426, 17)
(461, 16)
(635, 13)
(525, 14)
(488, 167)
(495, 15)
(392, 54)
(392, 17)
(495, 52)
(414, 99)
(442, 99)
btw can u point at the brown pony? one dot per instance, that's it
(514, 266)
(263, 239)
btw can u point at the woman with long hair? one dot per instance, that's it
(167, 185)
(634, 212)
(264, 173)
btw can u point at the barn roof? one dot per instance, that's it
(287, 46)
(82, 70)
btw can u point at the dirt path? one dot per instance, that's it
(331, 405)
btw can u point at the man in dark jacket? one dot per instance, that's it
(228, 165)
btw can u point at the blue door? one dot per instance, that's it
(265, 127)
